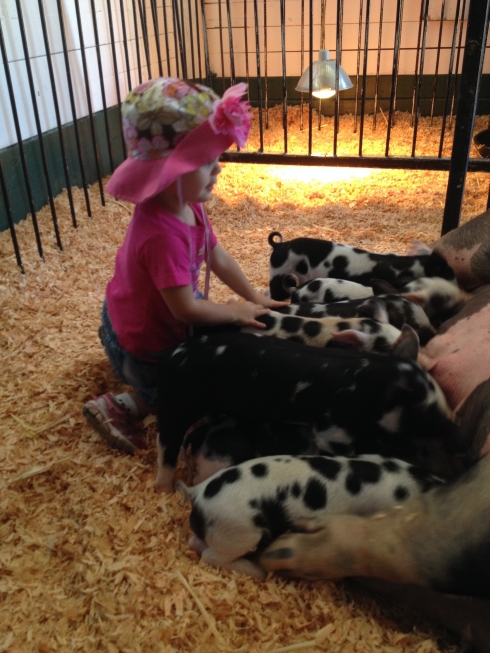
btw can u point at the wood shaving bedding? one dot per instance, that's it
(91, 558)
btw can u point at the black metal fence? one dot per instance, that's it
(92, 53)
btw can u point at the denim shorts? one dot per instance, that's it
(141, 375)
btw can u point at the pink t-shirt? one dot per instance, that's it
(159, 251)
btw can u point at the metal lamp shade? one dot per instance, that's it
(323, 83)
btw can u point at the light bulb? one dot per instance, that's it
(324, 93)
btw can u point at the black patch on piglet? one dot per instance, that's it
(291, 324)
(197, 522)
(296, 489)
(273, 519)
(362, 471)
(340, 264)
(329, 296)
(228, 476)
(259, 470)
(314, 286)
(391, 466)
(327, 467)
(315, 249)
(401, 493)
(267, 319)
(315, 496)
(301, 267)
(312, 329)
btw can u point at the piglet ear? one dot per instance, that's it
(417, 298)
(382, 287)
(374, 309)
(352, 338)
(407, 345)
(418, 247)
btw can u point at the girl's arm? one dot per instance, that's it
(185, 308)
(227, 269)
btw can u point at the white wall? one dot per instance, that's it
(350, 34)
(37, 54)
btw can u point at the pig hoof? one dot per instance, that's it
(197, 544)
(164, 480)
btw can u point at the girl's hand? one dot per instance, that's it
(246, 312)
(267, 302)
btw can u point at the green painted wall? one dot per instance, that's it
(13, 172)
(11, 161)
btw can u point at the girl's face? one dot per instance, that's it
(197, 186)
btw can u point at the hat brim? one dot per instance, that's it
(136, 181)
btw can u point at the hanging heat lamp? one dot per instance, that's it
(323, 72)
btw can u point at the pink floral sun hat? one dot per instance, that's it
(172, 127)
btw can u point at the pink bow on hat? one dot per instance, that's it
(230, 116)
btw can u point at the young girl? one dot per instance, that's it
(175, 132)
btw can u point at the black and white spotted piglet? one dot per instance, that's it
(364, 334)
(367, 402)
(221, 441)
(241, 510)
(324, 291)
(313, 258)
(399, 310)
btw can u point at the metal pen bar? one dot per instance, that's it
(89, 103)
(476, 36)
(338, 60)
(56, 106)
(394, 75)
(302, 59)
(73, 107)
(137, 42)
(449, 78)
(245, 34)
(322, 47)
(156, 29)
(37, 120)
(125, 43)
(10, 220)
(144, 34)
(460, 41)
(425, 4)
(191, 30)
(433, 163)
(116, 71)
(266, 81)
(284, 84)
(221, 48)
(310, 85)
(165, 29)
(176, 37)
(230, 42)
(364, 74)
(102, 86)
(438, 58)
(23, 162)
(183, 42)
(198, 33)
(417, 61)
(206, 44)
(259, 81)
(358, 62)
(179, 31)
(378, 63)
